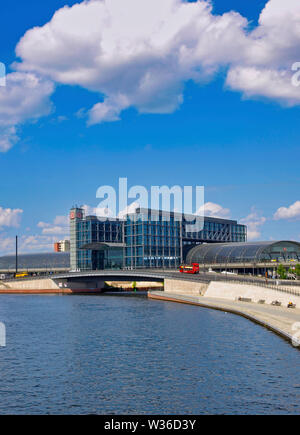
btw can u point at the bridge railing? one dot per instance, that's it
(205, 277)
(277, 285)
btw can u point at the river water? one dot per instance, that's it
(127, 355)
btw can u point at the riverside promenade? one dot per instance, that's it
(280, 320)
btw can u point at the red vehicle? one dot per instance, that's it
(194, 268)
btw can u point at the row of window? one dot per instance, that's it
(152, 230)
(139, 251)
(157, 262)
(152, 241)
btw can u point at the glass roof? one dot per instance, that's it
(31, 261)
(243, 252)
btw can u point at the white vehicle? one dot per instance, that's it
(228, 273)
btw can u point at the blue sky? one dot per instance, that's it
(243, 147)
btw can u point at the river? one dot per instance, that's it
(131, 355)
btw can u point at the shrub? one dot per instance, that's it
(281, 271)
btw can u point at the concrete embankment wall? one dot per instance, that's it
(47, 286)
(183, 287)
(31, 286)
(232, 291)
(228, 290)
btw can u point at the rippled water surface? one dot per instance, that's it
(121, 355)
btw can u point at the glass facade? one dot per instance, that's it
(149, 239)
(88, 230)
(160, 239)
(215, 230)
(152, 243)
(253, 252)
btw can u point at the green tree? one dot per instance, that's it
(297, 269)
(281, 272)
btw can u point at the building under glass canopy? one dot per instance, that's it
(36, 262)
(248, 252)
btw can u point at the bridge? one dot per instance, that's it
(173, 280)
(241, 268)
(94, 281)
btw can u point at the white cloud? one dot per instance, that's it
(97, 211)
(8, 138)
(62, 220)
(7, 244)
(264, 82)
(10, 217)
(36, 243)
(253, 222)
(59, 226)
(107, 213)
(139, 53)
(265, 69)
(54, 230)
(25, 97)
(27, 244)
(213, 210)
(131, 208)
(291, 212)
(134, 52)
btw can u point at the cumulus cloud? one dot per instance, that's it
(265, 68)
(102, 212)
(213, 210)
(131, 208)
(7, 244)
(59, 226)
(97, 211)
(8, 138)
(291, 212)
(32, 243)
(25, 97)
(10, 217)
(133, 52)
(140, 53)
(37, 243)
(254, 223)
(264, 82)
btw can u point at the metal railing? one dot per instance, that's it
(255, 281)
(173, 273)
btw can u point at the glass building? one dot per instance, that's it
(144, 239)
(157, 239)
(95, 244)
(240, 253)
(152, 240)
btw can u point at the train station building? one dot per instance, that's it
(144, 239)
(250, 257)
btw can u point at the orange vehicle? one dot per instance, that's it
(194, 268)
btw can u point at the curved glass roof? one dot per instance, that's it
(38, 261)
(249, 252)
